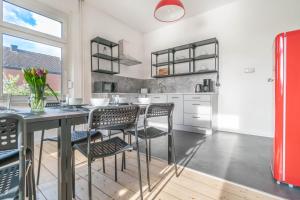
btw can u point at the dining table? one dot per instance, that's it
(62, 118)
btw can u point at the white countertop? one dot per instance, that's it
(201, 93)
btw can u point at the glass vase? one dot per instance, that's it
(37, 103)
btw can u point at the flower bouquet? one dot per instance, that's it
(36, 80)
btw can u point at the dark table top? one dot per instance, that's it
(56, 112)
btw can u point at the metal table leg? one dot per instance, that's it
(64, 161)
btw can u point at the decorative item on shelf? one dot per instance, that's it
(36, 79)
(169, 11)
(186, 60)
(163, 71)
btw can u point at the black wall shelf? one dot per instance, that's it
(169, 66)
(108, 56)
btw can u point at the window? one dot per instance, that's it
(31, 35)
(22, 17)
(19, 53)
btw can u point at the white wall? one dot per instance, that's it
(95, 23)
(245, 30)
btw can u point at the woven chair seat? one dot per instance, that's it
(9, 181)
(152, 132)
(103, 149)
(8, 155)
(78, 136)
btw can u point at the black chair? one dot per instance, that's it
(76, 138)
(13, 167)
(150, 132)
(110, 118)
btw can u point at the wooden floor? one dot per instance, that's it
(189, 185)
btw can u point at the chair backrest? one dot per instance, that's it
(52, 104)
(160, 110)
(114, 117)
(9, 131)
(12, 137)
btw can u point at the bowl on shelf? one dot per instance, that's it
(99, 101)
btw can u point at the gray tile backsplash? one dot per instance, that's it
(125, 84)
(178, 84)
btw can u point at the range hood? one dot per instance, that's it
(125, 58)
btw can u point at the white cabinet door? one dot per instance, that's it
(197, 97)
(177, 99)
(203, 121)
(158, 98)
(197, 107)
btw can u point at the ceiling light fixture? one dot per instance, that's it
(169, 10)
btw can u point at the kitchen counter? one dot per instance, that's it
(193, 112)
(201, 93)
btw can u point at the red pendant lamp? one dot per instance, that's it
(169, 10)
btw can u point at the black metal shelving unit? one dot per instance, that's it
(191, 59)
(98, 55)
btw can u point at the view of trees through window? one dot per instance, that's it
(19, 52)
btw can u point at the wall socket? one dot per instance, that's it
(249, 70)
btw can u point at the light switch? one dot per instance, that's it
(249, 70)
(70, 84)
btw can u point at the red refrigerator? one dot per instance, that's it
(286, 147)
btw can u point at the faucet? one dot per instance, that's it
(162, 87)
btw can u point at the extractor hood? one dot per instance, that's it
(125, 58)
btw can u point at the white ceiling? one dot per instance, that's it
(138, 14)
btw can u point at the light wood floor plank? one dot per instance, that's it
(189, 185)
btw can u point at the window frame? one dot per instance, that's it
(35, 36)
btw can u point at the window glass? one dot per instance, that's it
(19, 53)
(22, 17)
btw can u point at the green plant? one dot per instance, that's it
(36, 80)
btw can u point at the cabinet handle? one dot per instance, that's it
(196, 97)
(196, 104)
(175, 97)
(156, 97)
(196, 117)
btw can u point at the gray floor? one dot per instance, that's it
(238, 158)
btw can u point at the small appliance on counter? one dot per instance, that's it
(198, 88)
(105, 87)
(208, 85)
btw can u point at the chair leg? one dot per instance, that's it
(147, 165)
(124, 155)
(174, 154)
(30, 184)
(103, 161)
(33, 180)
(149, 150)
(90, 178)
(40, 158)
(116, 169)
(73, 173)
(139, 166)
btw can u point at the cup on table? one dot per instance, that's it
(75, 101)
